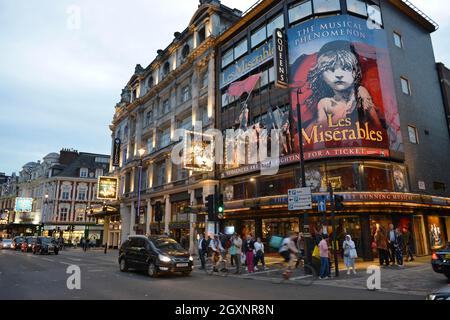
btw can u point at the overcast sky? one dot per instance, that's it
(59, 83)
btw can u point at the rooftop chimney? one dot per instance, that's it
(66, 156)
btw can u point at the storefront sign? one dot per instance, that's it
(280, 59)
(116, 152)
(107, 188)
(247, 64)
(342, 56)
(24, 205)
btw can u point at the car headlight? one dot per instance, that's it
(191, 259)
(164, 258)
(431, 297)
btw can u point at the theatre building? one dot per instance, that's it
(373, 120)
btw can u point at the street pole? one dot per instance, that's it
(333, 217)
(139, 192)
(306, 229)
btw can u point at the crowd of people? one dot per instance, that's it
(248, 252)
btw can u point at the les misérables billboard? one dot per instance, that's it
(347, 98)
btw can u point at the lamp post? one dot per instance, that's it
(44, 216)
(141, 153)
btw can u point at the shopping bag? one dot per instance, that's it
(275, 242)
(316, 252)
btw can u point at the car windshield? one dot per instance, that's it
(166, 244)
(46, 241)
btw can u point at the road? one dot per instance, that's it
(30, 277)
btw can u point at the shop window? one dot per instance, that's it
(378, 177)
(398, 40)
(406, 88)
(436, 230)
(322, 6)
(413, 135)
(357, 6)
(259, 36)
(275, 185)
(300, 11)
(240, 49)
(276, 23)
(342, 177)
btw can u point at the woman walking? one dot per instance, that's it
(350, 254)
(259, 249)
(324, 258)
(249, 247)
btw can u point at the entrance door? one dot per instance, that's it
(420, 236)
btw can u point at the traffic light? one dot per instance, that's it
(210, 208)
(339, 203)
(220, 207)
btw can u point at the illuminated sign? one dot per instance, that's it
(280, 59)
(107, 188)
(198, 152)
(24, 205)
(116, 152)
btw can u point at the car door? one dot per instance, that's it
(131, 252)
(141, 253)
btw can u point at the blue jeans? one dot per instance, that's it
(324, 267)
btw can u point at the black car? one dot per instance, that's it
(156, 255)
(45, 245)
(440, 295)
(441, 261)
(17, 243)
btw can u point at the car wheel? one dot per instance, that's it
(123, 265)
(151, 270)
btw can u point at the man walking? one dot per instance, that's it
(408, 244)
(202, 250)
(392, 238)
(237, 244)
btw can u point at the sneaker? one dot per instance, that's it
(354, 271)
(348, 272)
(256, 269)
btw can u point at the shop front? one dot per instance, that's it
(179, 226)
(72, 234)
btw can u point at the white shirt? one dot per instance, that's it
(259, 246)
(212, 245)
(392, 235)
(285, 245)
(200, 243)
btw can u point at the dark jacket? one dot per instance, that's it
(204, 244)
(248, 246)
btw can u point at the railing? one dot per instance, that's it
(421, 13)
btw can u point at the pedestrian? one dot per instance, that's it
(208, 244)
(232, 250)
(217, 250)
(391, 241)
(202, 250)
(399, 243)
(409, 243)
(324, 258)
(249, 247)
(301, 244)
(87, 243)
(380, 239)
(237, 244)
(291, 252)
(350, 254)
(259, 254)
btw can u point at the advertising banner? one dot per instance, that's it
(23, 205)
(347, 96)
(107, 188)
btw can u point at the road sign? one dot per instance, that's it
(322, 204)
(300, 199)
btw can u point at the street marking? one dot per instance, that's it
(66, 263)
(74, 259)
(47, 259)
(96, 270)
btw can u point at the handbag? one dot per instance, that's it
(275, 242)
(316, 252)
(353, 254)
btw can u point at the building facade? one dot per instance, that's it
(176, 91)
(8, 193)
(373, 120)
(61, 189)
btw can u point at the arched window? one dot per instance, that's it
(185, 51)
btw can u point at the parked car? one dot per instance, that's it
(27, 244)
(16, 243)
(45, 245)
(441, 261)
(156, 255)
(440, 295)
(5, 244)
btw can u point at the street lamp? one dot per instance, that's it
(141, 153)
(44, 218)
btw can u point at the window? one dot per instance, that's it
(185, 51)
(81, 194)
(225, 100)
(201, 35)
(165, 138)
(240, 49)
(205, 79)
(134, 94)
(275, 23)
(150, 82)
(166, 68)
(439, 186)
(65, 194)
(322, 6)
(398, 40)
(259, 36)
(166, 106)
(185, 94)
(413, 135)
(161, 173)
(374, 14)
(227, 58)
(84, 173)
(150, 145)
(204, 115)
(300, 11)
(124, 155)
(98, 172)
(357, 6)
(406, 89)
(64, 213)
(148, 118)
(186, 123)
